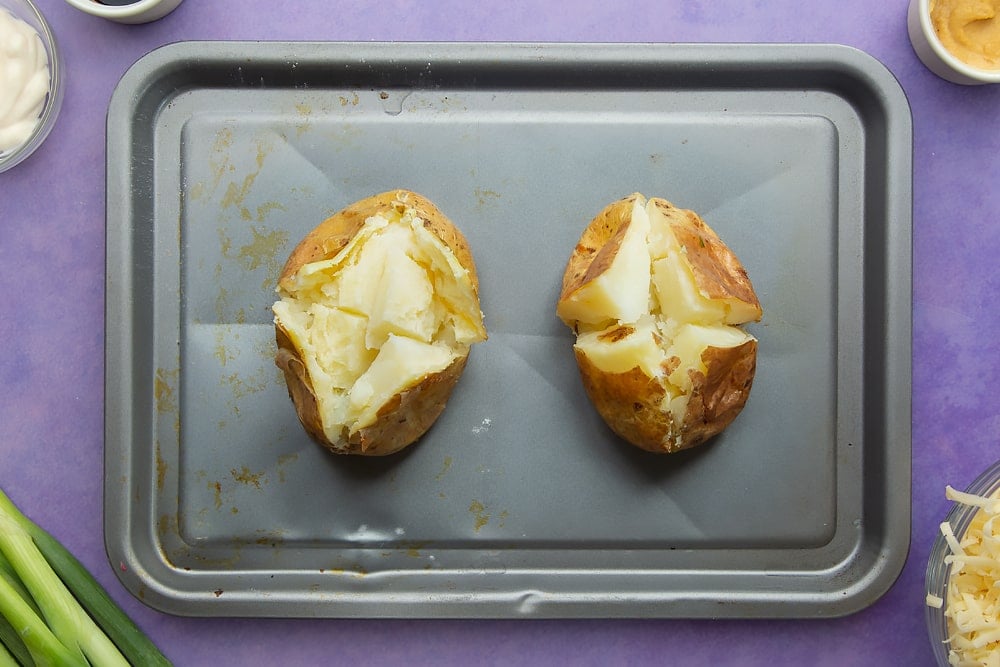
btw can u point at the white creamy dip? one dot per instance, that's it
(24, 80)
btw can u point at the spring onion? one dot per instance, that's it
(9, 637)
(13, 646)
(59, 611)
(7, 659)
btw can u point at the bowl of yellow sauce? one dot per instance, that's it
(959, 40)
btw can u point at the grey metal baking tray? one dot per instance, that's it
(519, 502)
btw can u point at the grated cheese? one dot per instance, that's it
(972, 601)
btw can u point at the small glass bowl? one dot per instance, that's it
(933, 54)
(936, 579)
(27, 12)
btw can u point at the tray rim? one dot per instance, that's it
(144, 578)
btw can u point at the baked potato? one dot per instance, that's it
(378, 310)
(656, 300)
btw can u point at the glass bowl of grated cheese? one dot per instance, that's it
(31, 87)
(963, 577)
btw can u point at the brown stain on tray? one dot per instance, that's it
(243, 386)
(197, 191)
(216, 488)
(166, 526)
(165, 395)
(444, 468)
(265, 209)
(236, 192)
(407, 549)
(218, 161)
(222, 351)
(354, 569)
(486, 196)
(266, 249)
(283, 461)
(478, 511)
(161, 468)
(249, 478)
(304, 111)
(413, 549)
(164, 385)
(269, 538)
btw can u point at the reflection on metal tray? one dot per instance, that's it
(519, 501)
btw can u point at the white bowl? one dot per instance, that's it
(935, 56)
(27, 12)
(140, 11)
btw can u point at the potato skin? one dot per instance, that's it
(597, 246)
(409, 414)
(717, 270)
(330, 236)
(631, 403)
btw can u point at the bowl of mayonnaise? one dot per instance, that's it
(31, 87)
(963, 576)
(959, 40)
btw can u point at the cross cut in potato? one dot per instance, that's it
(656, 300)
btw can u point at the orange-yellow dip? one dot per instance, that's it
(970, 30)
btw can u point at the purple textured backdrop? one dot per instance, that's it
(52, 325)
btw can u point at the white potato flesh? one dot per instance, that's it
(674, 284)
(403, 302)
(357, 285)
(456, 302)
(391, 308)
(677, 322)
(615, 353)
(677, 293)
(338, 338)
(621, 293)
(738, 312)
(401, 363)
(690, 344)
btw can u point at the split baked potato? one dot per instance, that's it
(378, 310)
(656, 300)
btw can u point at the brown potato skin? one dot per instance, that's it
(405, 418)
(408, 415)
(598, 245)
(630, 402)
(717, 270)
(330, 236)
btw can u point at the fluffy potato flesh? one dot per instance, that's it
(376, 316)
(656, 300)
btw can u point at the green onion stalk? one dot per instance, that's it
(53, 611)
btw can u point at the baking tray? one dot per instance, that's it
(519, 502)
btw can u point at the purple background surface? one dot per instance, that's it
(52, 322)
